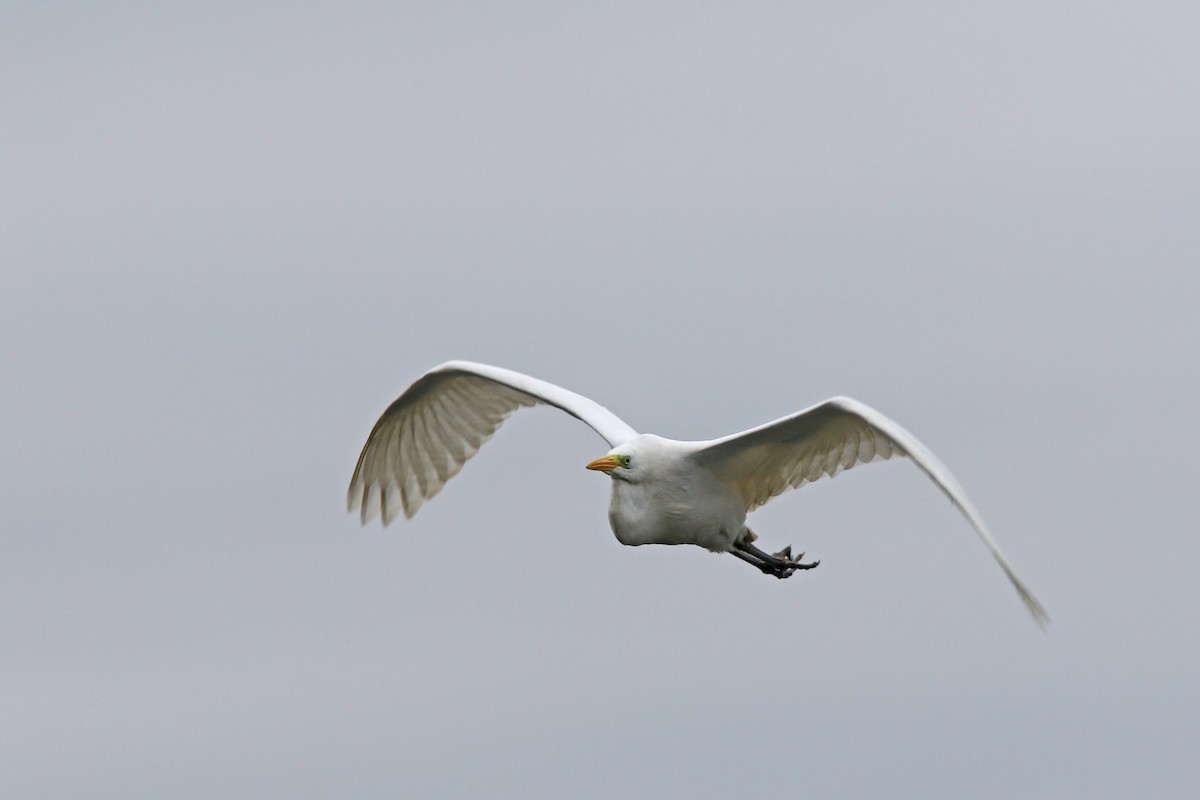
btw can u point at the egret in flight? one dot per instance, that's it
(663, 491)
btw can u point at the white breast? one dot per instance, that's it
(683, 507)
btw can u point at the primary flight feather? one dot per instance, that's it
(664, 491)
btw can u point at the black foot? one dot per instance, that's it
(792, 563)
(781, 564)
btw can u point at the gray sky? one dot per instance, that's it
(230, 237)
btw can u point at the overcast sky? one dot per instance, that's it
(230, 236)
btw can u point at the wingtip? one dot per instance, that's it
(1036, 609)
(354, 499)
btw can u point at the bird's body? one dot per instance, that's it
(674, 501)
(664, 491)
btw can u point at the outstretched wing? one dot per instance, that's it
(824, 440)
(425, 436)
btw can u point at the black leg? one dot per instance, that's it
(749, 559)
(781, 564)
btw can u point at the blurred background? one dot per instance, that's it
(231, 235)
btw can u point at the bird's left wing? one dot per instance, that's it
(824, 440)
(425, 436)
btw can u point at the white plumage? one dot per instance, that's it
(664, 491)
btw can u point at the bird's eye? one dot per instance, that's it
(625, 461)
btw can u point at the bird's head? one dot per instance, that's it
(635, 460)
(616, 464)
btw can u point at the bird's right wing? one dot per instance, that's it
(425, 436)
(825, 439)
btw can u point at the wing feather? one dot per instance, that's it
(788, 453)
(426, 436)
(838, 434)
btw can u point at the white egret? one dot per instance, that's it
(663, 491)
